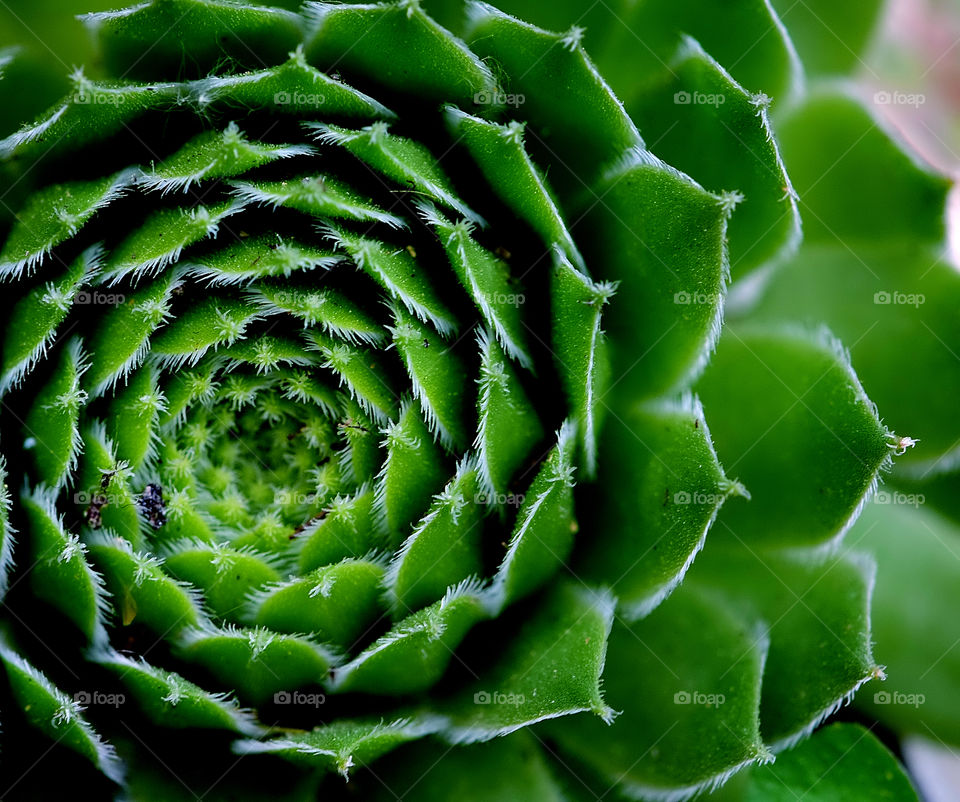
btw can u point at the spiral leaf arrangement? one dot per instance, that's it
(356, 386)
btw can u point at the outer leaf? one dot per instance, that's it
(510, 769)
(36, 318)
(158, 36)
(814, 446)
(60, 573)
(831, 37)
(918, 560)
(687, 679)
(341, 745)
(819, 631)
(709, 126)
(659, 491)
(552, 669)
(839, 762)
(169, 700)
(873, 269)
(57, 715)
(671, 268)
(399, 46)
(549, 74)
(52, 216)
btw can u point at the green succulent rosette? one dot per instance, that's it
(375, 374)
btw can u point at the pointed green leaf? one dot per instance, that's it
(397, 45)
(814, 445)
(335, 604)
(57, 715)
(659, 490)
(256, 662)
(508, 427)
(161, 36)
(842, 761)
(60, 573)
(687, 679)
(442, 550)
(54, 215)
(215, 154)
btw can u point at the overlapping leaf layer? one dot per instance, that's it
(357, 380)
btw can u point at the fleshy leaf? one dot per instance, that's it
(437, 378)
(169, 700)
(659, 491)
(508, 427)
(57, 715)
(215, 154)
(61, 574)
(814, 446)
(551, 669)
(499, 152)
(52, 216)
(340, 745)
(120, 342)
(917, 554)
(160, 36)
(842, 761)
(672, 272)
(707, 125)
(54, 419)
(334, 604)
(488, 281)
(399, 46)
(580, 348)
(687, 679)
(35, 320)
(293, 87)
(543, 535)
(414, 654)
(412, 472)
(442, 550)
(140, 588)
(819, 615)
(256, 662)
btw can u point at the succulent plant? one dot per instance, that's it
(356, 387)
